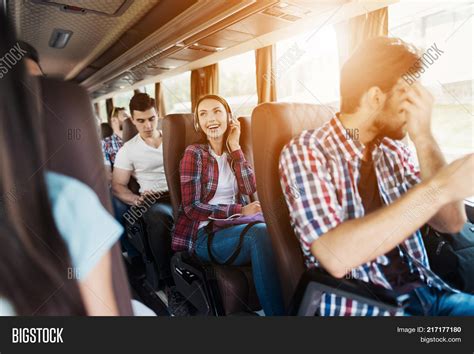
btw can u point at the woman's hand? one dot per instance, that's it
(252, 208)
(233, 139)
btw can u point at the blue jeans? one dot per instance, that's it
(257, 251)
(427, 301)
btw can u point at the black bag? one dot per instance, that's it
(235, 254)
(451, 256)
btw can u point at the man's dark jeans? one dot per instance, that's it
(158, 220)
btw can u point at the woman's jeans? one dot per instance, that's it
(426, 301)
(256, 250)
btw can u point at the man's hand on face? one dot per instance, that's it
(418, 105)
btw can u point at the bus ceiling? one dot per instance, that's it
(123, 43)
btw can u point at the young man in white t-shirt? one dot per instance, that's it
(142, 158)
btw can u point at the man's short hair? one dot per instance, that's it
(141, 102)
(381, 62)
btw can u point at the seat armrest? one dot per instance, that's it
(314, 282)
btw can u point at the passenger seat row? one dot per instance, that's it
(73, 150)
(225, 290)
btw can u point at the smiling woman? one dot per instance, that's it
(218, 167)
(213, 116)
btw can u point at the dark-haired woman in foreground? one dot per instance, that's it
(55, 235)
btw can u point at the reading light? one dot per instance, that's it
(282, 5)
(59, 38)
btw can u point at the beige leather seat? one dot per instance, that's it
(273, 126)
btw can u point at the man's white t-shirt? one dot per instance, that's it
(145, 161)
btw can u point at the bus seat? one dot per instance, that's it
(212, 289)
(73, 149)
(273, 126)
(129, 130)
(247, 148)
(246, 137)
(105, 130)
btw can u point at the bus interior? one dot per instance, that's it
(277, 62)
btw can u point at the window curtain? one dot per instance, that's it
(353, 32)
(265, 62)
(159, 100)
(204, 81)
(96, 109)
(109, 104)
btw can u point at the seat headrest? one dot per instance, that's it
(105, 130)
(73, 149)
(128, 130)
(273, 126)
(178, 133)
(72, 141)
(246, 137)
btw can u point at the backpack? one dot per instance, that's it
(451, 256)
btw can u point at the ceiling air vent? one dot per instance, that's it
(121, 81)
(205, 48)
(287, 11)
(158, 67)
(291, 18)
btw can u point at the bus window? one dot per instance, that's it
(122, 99)
(446, 28)
(308, 67)
(177, 93)
(102, 111)
(149, 89)
(237, 82)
